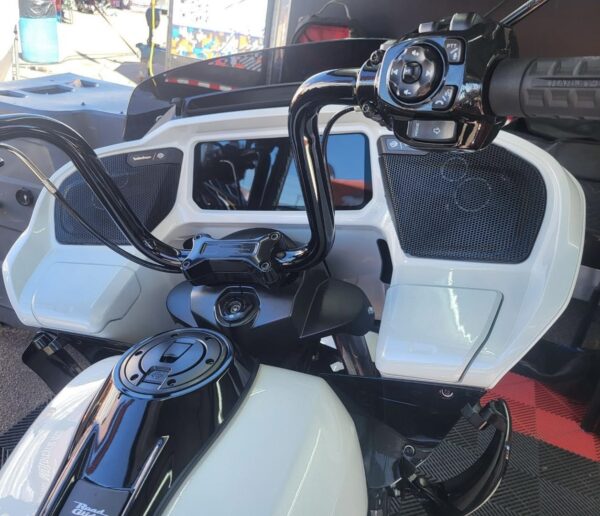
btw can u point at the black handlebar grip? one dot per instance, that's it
(566, 87)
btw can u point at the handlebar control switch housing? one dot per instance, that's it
(213, 261)
(430, 87)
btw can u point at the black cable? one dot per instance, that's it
(111, 245)
(57, 195)
(328, 127)
(92, 170)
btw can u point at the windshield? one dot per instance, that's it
(225, 78)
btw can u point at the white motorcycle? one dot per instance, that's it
(248, 373)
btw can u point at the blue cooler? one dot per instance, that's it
(39, 39)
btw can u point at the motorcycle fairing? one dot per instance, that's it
(492, 313)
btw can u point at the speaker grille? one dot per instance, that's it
(150, 190)
(486, 206)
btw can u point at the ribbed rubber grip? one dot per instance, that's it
(567, 87)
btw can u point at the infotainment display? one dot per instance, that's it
(260, 174)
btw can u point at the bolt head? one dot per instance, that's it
(376, 57)
(408, 451)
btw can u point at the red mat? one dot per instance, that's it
(541, 413)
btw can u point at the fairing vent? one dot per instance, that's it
(147, 180)
(486, 206)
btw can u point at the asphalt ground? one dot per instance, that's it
(21, 390)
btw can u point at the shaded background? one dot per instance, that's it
(559, 28)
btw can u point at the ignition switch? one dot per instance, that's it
(236, 307)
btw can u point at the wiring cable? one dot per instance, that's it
(329, 126)
(53, 190)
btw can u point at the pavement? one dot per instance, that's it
(21, 390)
(101, 49)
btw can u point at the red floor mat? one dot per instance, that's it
(539, 412)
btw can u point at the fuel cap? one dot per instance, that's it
(174, 362)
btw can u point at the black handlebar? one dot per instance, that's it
(333, 87)
(91, 168)
(567, 87)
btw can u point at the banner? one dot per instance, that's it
(204, 29)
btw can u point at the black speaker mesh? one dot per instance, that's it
(150, 190)
(486, 206)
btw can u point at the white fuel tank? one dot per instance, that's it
(290, 449)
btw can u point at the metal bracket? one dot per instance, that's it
(480, 417)
(47, 357)
(472, 488)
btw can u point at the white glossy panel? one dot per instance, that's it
(80, 305)
(31, 467)
(290, 450)
(534, 292)
(438, 346)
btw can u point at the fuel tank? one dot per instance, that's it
(289, 447)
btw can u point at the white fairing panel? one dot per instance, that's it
(94, 302)
(290, 450)
(444, 339)
(31, 467)
(480, 321)
(460, 321)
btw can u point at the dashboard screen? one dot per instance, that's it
(260, 174)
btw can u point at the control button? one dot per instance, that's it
(395, 76)
(464, 21)
(415, 53)
(411, 72)
(436, 131)
(444, 99)
(455, 50)
(415, 73)
(407, 91)
(391, 145)
(429, 27)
